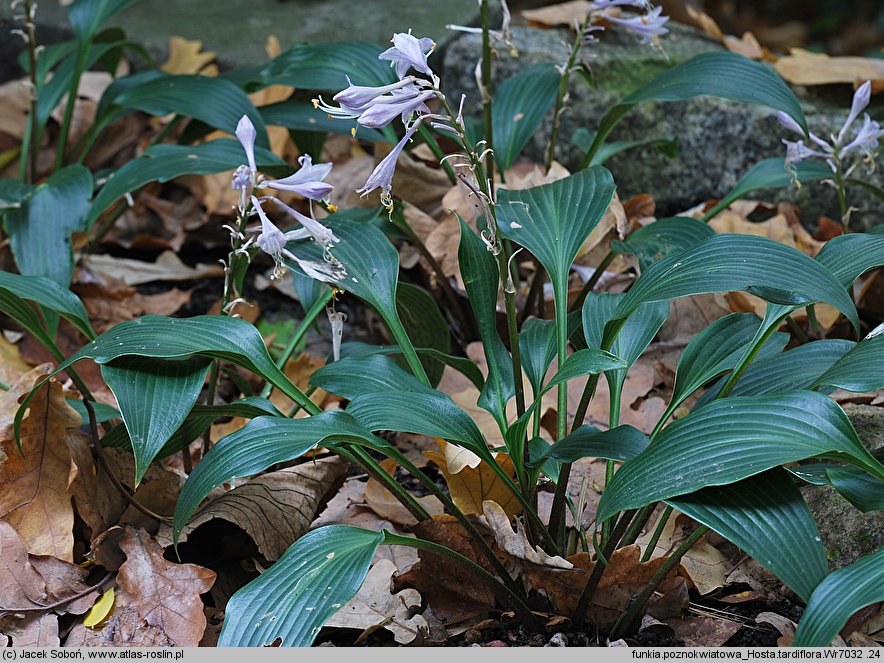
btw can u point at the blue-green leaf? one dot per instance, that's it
(861, 368)
(351, 377)
(662, 238)
(293, 599)
(841, 594)
(87, 16)
(327, 66)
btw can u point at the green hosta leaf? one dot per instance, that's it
(717, 74)
(103, 413)
(263, 442)
(293, 599)
(537, 343)
(12, 193)
(799, 368)
(300, 115)
(161, 163)
(862, 490)
(213, 100)
(482, 283)
(621, 443)
(433, 414)
(718, 349)
(154, 398)
(731, 439)
(583, 138)
(16, 289)
(766, 516)
(861, 368)
(351, 377)
(850, 256)
(40, 230)
(520, 104)
(554, 220)
(424, 325)
(770, 174)
(727, 263)
(214, 336)
(327, 66)
(841, 594)
(589, 361)
(87, 16)
(662, 238)
(197, 421)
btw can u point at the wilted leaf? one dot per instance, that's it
(33, 484)
(113, 302)
(515, 543)
(565, 13)
(471, 481)
(35, 630)
(12, 366)
(99, 612)
(384, 503)
(168, 267)
(704, 631)
(274, 509)
(187, 57)
(803, 67)
(21, 586)
(374, 606)
(157, 603)
(299, 370)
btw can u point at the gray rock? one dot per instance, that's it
(847, 533)
(719, 139)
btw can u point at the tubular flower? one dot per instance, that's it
(403, 105)
(273, 242)
(382, 176)
(310, 228)
(307, 182)
(648, 27)
(409, 52)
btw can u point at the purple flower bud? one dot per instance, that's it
(310, 228)
(307, 182)
(245, 132)
(790, 124)
(409, 52)
(382, 175)
(359, 96)
(866, 139)
(860, 100)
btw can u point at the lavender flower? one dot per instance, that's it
(648, 27)
(311, 228)
(307, 182)
(359, 96)
(382, 176)
(409, 52)
(404, 104)
(273, 242)
(861, 99)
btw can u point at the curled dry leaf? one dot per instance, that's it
(565, 13)
(168, 267)
(12, 366)
(374, 607)
(471, 481)
(187, 57)
(384, 503)
(803, 67)
(157, 601)
(274, 509)
(110, 303)
(704, 631)
(515, 543)
(33, 483)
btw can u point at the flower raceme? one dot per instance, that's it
(306, 182)
(836, 149)
(648, 27)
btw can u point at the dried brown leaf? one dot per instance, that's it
(168, 267)
(384, 503)
(803, 67)
(33, 483)
(187, 57)
(551, 16)
(704, 631)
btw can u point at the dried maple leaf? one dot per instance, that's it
(274, 509)
(157, 603)
(33, 483)
(374, 606)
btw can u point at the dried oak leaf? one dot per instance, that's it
(471, 480)
(98, 503)
(157, 601)
(274, 509)
(704, 631)
(386, 505)
(515, 543)
(33, 483)
(455, 593)
(374, 607)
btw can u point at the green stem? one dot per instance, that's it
(433, 144)
(842, 196)
(408, 351)
(658, 531)
(738, 371)
(613, 422)
(591, 282)
(534, 298)
(562, 92)
(609, 121)
(299, 334)
(514, 600)
(512, 328)
(362, 458)
(31, 151)
(487, 115)
(80, 67)
(637, 603)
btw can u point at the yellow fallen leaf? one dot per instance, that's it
(100, 611)
(474, 483)
(805, 68)
(188, 57)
